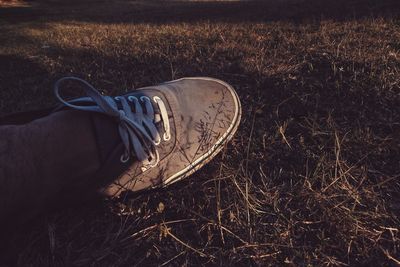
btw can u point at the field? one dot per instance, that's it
(312, 176)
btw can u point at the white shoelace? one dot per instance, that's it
(137, 129)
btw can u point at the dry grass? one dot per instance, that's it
(311, 178)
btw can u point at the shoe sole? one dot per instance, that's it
(218, 146)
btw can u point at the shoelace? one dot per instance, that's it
(137, 129)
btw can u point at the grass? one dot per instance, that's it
(312, 176)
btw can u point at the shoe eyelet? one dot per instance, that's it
(166, 137)
(157, 143)
(124, 158)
